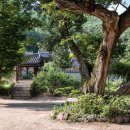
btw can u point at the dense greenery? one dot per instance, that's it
(91, 107)
(114, 24)
(61, 57)
(51, 79)
(120, 66)
(6, 88)
(69, 91)
(68, 30)
(82, 30)
(16, 18)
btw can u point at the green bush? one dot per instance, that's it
(118, 105)
(38, 87)
(95, 106)
(63, 91)
(75, 93)
(6, 88)
(50, 80)
(112, 87)
(67, 91)
(89, 104)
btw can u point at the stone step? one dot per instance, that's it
(25, 92)
(22, 88)
(21, 92)
(21, 95)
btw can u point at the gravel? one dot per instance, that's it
(34, 114)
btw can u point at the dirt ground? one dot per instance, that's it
(33, 114)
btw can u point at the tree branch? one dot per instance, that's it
(124, 22)
(99, 11)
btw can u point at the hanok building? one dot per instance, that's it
(34, 61)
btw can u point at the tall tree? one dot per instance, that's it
(113, 26)
(67, 28)
(15, 19)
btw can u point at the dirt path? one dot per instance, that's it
(34, 115)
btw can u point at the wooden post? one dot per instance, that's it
(35, 70)
(17, 73)
(27, 69)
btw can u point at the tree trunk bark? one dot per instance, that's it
(85, 68)
(100, 71)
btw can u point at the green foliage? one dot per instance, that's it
(116, 106)
(121, 70)
(67, 91)
(38, 86)
(51, 80)
(119, 105)
(75, 93)
(90, 104)
(6, 88)
(61, 57)
(111, 87)
(96, 106)
(56, 111)
(16, 18)
(120, 66)
(65, 28)
(63, 91)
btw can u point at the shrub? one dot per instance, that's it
(113, 86)
(6, 88)
(94, 107)
(51, 80)
(75, 93)
(63, 91)
(37, 87)
(90, 104)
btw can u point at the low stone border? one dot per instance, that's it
(120, 119)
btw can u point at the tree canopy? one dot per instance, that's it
(16, 18)
(114, 25)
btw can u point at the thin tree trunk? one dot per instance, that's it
(84, 68)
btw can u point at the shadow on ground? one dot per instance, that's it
(32, 106)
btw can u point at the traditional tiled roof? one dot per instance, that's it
(75, 63)
(36, 58)
(32, 59)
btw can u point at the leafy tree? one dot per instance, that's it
(16, 18)
(113, 26)
(33, 38)
(67, 29)
(121, 66)
(81, 33)
(61, 57)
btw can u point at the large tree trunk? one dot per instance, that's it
(99, 75)
(85, 68)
